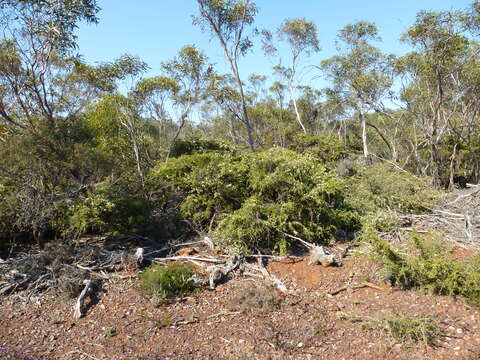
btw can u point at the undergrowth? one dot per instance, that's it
(380, 194)
(254, 297)
(426, 265)
(402, 329)
(165, 283)
(248, 200)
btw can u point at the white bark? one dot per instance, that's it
(85, 292)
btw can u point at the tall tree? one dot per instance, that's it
(188, 77)
(433, 90)
(360, 73)
(228, 21)
(38, 39)
(302, 39)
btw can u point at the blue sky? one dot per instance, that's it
(156, 29)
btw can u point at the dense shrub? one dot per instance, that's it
(381, 193)
(197, 146)
(327, 148)
(109, 208)
(41, 170)
(251, 199)
(382, 186)
(426, 265)
(169, 282)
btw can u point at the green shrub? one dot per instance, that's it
(426, 265)
(198, 146)
(165, 283)
(327, 148)
(251, 199)
(380, 194)
(382, 187)
(110, 208)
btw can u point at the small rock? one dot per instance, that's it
(300, 345)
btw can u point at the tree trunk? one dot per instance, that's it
(246, 119)
(297, 113)
(183, 119)
(363, 122)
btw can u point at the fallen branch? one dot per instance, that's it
(354, 287)
(277, 282)
(218, 273)
(195, 258)
(277, 258)
(85, 292)
(303, 242)
(318, 255)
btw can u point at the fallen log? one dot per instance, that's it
(87, 291)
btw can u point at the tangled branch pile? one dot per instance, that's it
(58, 267)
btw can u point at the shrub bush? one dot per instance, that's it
(426, 265)
(381, 193)
(251, 199)
(198, 146)
(382, 187)
(166, 283)
(109, 208)
(327, 148)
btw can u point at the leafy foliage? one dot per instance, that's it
(197, 146)
(329, 149)
(380, 193)
(111, 209)
(428, 266)
(250, 200)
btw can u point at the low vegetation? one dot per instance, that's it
(426, 264)
(381, 193)
(249, 200)
(402, 329)
(166, 283)
(254, 297)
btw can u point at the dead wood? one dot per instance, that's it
(354, 287)
(275, 281)
(194, 258)
(301, 241)
(87, 291)
(318, 255)
(218, 273)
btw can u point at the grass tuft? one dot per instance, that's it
(402, 329)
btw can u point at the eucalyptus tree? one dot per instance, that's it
(228, 21)
(302, 39)
(435, 78)
(185, 83)
(38, 38)
(360, 74)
